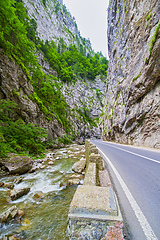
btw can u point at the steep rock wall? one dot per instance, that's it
(52, 22)
(15, 86)
(131, 112)
(85, 95)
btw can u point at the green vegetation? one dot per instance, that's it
(135, 78)
(18, 136)
(149, 16)
(19, 40)
(152, 42)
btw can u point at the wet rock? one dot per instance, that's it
(1, 184)
(33, 169)
(43, 167)
(18, 180)
(9, 214)
(79, 166)
(38, 196)
(36, 166)
(17, 193)
(18, 164)
(8, 185)
(50, 163)
(73, 181)
(39, 161)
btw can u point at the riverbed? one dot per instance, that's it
(46, 205)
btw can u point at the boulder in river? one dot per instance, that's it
(18, 180)
(9, 214)
(18, 164)
(79, 166)
(38, 196)
(17, 193)
(8, 185)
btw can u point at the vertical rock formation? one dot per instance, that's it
(53, 22)
(131, 112)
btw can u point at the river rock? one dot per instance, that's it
(43, 167)
(79, 166)
(37, 196)
(8, 185)
(18, 180)
(9, 214)
(50, 163)
(73, 181)
(1, 184)
(17, 193)
(18, 164)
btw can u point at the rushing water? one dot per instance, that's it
(45, 216)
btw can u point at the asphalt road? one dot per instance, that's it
(135, 173)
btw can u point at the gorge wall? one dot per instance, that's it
(131, 112)
(82, 97)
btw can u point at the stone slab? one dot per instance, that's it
(94, 202)
(90, 176)
(97, 158)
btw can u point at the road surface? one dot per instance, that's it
(135, 173)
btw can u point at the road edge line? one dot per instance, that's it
(149, 233)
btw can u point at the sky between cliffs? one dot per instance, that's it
(91, 18)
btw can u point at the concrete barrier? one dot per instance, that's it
(91, 175)
(94, 211)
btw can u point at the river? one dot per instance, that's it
(46, 205)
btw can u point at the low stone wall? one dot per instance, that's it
(94, 211)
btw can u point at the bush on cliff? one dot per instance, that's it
(18, 136)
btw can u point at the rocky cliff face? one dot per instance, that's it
(53, 23)
(85, 96)
(15, 86)
(132, 101)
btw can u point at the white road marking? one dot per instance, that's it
(150, 235)
(151, 159)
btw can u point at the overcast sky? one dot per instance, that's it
(91, 18)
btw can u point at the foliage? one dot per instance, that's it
(149, 16)
(84, 112)
(135, 78)
(18, 136)
(18, 38)
(13, 31)
(50, 99)
(71, 64)
(153, 40)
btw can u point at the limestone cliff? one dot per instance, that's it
(132, 101)
(53, 21)
(83, 98)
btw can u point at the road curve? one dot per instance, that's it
(135, 174)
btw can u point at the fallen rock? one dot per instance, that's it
(18, 180)
(17, 193)
(79, 166)
(9, 214)
(8, 185)
(18, 164)
(73, 181)
(1, 184)
(43, 167)
(38, 196)
(50, 163)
